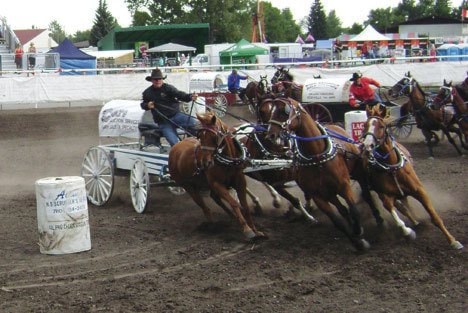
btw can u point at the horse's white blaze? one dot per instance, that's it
(369, 140)
(406, 230)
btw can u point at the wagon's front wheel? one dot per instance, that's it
(98, 172)
(139, 186)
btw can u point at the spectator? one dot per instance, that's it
(432, 53)
(164, 100)
(143, 53)
(19, 56)
(361, 90)
(234, 84)
(338, 49)
(32, 56)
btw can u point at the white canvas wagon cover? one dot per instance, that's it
(326, 90)
(207, 82)
(120, 118)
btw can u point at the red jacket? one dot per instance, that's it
(363, 91)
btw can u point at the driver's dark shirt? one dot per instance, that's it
(166, 100)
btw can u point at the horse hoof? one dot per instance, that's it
(250, 234)
(456, 245)
(411, 235)
(431, 158)
(363, 245)
(277, 204)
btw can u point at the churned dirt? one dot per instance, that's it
(165, 260)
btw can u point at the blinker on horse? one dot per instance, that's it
(214, 161)
(392, 176)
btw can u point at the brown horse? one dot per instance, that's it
(393, 177)
(451, 102)
(428, 119)
(216, 162)
(323, 164)
(259, 147)
(255, 91)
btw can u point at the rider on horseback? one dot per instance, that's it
(361, 94)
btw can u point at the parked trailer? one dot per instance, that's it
(137, 152)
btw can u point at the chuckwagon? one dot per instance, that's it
(213, 87)
(131, 144)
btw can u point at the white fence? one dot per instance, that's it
(44, 89)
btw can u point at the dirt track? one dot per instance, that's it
(163, 261)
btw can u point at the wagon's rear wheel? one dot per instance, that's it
(319, 113)
(98, 172)
(139, 186)
(402, 127)
(221, 105)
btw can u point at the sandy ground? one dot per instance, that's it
(164, 261)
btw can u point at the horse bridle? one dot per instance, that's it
(293, 111)
(408, 85)
(381, 140)
(221, 135)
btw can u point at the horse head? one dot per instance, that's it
(402, 88)
(375, 133)
(217, 142)
(281, 74)
(285, 117)
(262, 86)
(378, 109)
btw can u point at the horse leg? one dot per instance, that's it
(423, 198)
(224, 194)
(219, 202)
(295, 202)
(366, 195)
(360, 243)
(404, 207)
(274, 193)
(427, 137)
(258, 209)
(452, 141)
(350, 215)
(388, 203)
(195, 194)
(240, 188)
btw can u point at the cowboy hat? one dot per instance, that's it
(355, 76)
(156, 73)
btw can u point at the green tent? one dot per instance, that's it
(242, 52)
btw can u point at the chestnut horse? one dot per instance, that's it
(323, 164)
(259, 147)
(428, 119)
(254, 91)
(214, 161)
(393, 177)
(451, 101)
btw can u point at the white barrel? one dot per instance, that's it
(354, 123)
(62, 215)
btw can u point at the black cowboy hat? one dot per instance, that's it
(156, 73)
(355, 76)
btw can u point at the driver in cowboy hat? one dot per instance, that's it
(163, 100)
(361, 93)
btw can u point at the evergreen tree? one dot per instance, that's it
(317, 21)
(104, 22)
(334, 27)
(56, 31)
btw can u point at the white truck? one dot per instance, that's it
(208, 58)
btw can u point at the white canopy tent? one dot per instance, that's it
(369, 34)
(171, 47)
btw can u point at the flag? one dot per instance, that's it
(299, 39)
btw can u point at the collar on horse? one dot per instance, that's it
(378, 160)
(303, 160)
(218, 152)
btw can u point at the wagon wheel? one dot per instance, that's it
(139, 186)
(221, 105)
(402, 127)
(319, 113)
(186, 107)
(98, 172)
